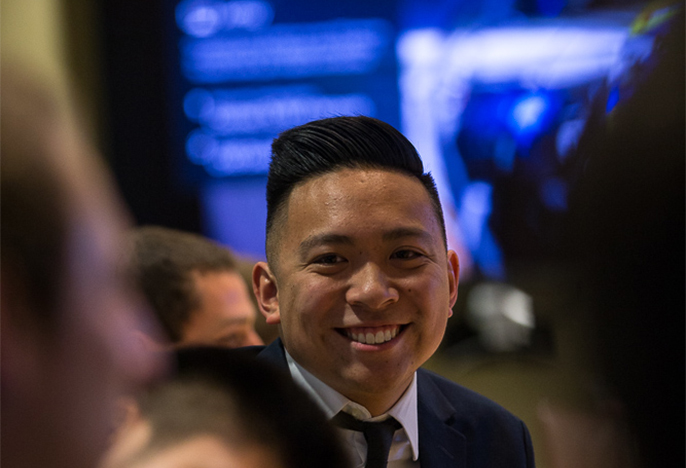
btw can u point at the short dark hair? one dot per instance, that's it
(326, 145)
(163, 261)
(242, 401)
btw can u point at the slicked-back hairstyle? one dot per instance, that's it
(327, 145)
(163, 262)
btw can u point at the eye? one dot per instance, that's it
(328, 259)
(406, 254)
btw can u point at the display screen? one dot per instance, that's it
(494, 95)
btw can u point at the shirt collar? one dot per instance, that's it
(332, 402)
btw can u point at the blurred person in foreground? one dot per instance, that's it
(359, 279)
(194, 286)
(225, 410)
(68, 310)
(626, 240)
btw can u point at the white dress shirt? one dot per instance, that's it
(405, 448)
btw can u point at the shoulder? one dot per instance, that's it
(489, 430)
(471, 407)
(430, 381)
(249, 351)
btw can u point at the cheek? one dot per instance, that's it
(431, 296)
(312, 296)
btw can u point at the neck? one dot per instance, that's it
(377, 403)
(376, 399)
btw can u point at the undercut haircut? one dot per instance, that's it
(327, 145)
(163, 262)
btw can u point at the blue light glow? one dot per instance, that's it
(551, 8)
(198, 104)
(568, 135)
(288, 51)
(205, 18)
(553, 193)
(612, 99)
(201, 148)
(528, 112)
(241, 157)
(560, 54)
(198, 18)
(474, 211)
(490, 257)
(272, 111)
(222, 157)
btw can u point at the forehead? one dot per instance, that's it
(359, 202)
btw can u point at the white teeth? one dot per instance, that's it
(378, 338)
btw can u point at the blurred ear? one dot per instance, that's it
(266, 291)
(453, 277)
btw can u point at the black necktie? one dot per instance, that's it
(379, 436)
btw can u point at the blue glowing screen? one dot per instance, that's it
(494, 99)
(250, 69)
(251, 72)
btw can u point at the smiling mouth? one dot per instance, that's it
(372, 335)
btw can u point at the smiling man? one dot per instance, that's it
(361, 284)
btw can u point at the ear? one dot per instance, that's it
(453, 277)
(266, 291)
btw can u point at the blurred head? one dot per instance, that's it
(194, 286)
(225, 410)
(626, 234)
(359, 279)
(68, 309)
(188, 422)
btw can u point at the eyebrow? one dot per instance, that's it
(394, 234)
(403, 232)
(321, 239)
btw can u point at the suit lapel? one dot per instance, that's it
(440, 445)
(275, 355)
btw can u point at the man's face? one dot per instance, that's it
(364, 285)
(226, 316)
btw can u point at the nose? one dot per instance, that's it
(371, 287)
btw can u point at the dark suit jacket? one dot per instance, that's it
(457, 427)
